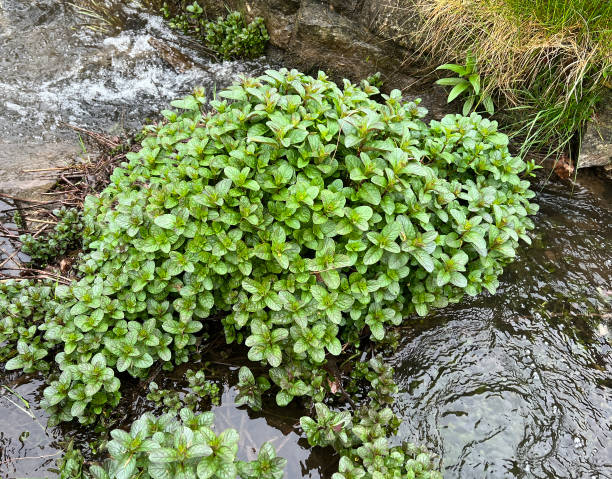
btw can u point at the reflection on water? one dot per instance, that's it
(22, 430)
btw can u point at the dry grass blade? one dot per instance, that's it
(510, 53)
(97, 16)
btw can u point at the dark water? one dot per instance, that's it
(515, 385)
(518, 384)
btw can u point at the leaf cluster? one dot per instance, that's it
(374, 80)
(23, 305)
(190, 18)
(232, 37)
(167, 447)
(47, 247)
(202, 387)
(172, 400)
(362, 438)
(250, 389)
(467, 83)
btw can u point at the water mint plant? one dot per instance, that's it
(307, 219)
(250, 389)
(230, 37)
(174, 447)
(362, 438)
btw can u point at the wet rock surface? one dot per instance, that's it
(18, 160)
(597, 142)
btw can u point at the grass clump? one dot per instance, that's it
(589, 19)
(307, 219)
(545, 60)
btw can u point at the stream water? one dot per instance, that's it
(512, 385)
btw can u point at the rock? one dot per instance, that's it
(173, 56)
(280, 18)
(17, 157)
(326, 39)
(341, 37)
(395, 20)
(596, 149)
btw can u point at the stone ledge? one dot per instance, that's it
(17, 157)
(597, 141)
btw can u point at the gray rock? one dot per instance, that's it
(324, 38)
(17, 157)
(279, 15)
(596, 149)
(395, 20)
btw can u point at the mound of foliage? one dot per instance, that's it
(231, 36)
(305, 217)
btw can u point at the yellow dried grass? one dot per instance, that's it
(512, 53)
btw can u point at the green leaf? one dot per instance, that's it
(458, 69)
(283, 398)
(331, 279)
(477, 241)
(487, 101)
(449, 81)
(370, 193)
(443, 278)
(468, 104)
(424, 259)
(458, 90)
(505, 249)
(274, 356)
(199, 450)
(163, 455)
(14, 363)
(372, 255)
(377, 330)
(474, 79)
(165, 221)
(458, 280)
(207, 468)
